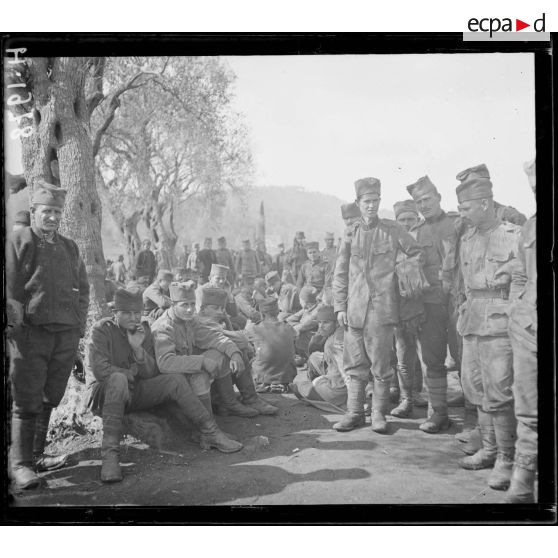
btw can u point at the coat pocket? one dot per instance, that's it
(496, 319)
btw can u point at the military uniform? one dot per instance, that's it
(225, 258)
(296, 256)
(247, 266)
(305, 324)
(155, 301)
(313, 273)
(206, 258)
(146, 265)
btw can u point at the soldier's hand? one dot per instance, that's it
(237, 364)
(210, 366)
(342, 319)
(14, 311)
(131, 374)
(136, 339)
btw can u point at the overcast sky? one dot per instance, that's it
(323, 121)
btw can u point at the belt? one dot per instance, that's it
(488, 293)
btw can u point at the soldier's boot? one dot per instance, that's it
(486, 456)
(44, 462)
(474, 444)
(470, 423)
(211, 435)
(405, 407)
(229, 404)
(437, 395)
(21, 452)
(354, 417)
(248, 395)
(522, 486)
(113, 414)
(394, 388)
(505, 427)
(380, 404)
(368, 400)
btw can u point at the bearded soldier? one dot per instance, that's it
(487, 256)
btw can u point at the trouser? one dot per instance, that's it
(433, 340)
(455, 343)
(487, 373)
(408, 370)
(302, 343)
(524, 346)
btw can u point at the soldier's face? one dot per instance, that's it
(165, 283)
(246, 245)
(428, 204)
(218, 281)
(329, 242)
(47, 217)
(326, 327)
(408, 219)
(313, 254)
(473, 212)
(276, 285)
(213, 311)
(185, 310)
(128, 320)
(369, 205)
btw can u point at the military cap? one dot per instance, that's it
(213, 296)
(308, 293)
(271, 277)
(48, 194)
(329, 236)
(183, 292)
(269, 305)
(128, 300)
(421, 187)
(219, 270)
(474, 189)
(208, 239)
(349, 210)
(281, 245)
(403, 206)
(312, 245)
(530, 168)
(164, 274)
(23, 217)
(480, 171)
(246, 240)
(221, 239)
(326, 313)
(368, 185)
(300, 234)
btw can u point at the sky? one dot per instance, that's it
(322, 122)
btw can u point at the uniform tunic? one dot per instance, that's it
(146, 265)
(155, 300)
(288, 301)
(487, 259)
(313, 273)
(206, 258)
(247, 264)
(305, 324)
(224, 257)
(329, 255)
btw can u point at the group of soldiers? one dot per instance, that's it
(212, 335)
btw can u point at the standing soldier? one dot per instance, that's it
(183, 258)
(297, 254)
(146, 263)
(350, 214)
(225, 257)
(366, 302)
(437, 237)
(206, 259)
(314, 271)
(193, 263)
(47, 301)
(280, 260)
(487, 256)
(264, 259)
(247, 264)
(523, 336)
(329, 255)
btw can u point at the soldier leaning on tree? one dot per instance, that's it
(47, 301)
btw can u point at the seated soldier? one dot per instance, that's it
(274, 364)
(186, 345)
(305, 322)
(285, 292)
(245, 305)
(314, 270)
(326, 376)
(212, 314)
(259, 292)
(156, 297)
(123, 377)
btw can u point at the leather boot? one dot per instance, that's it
(437, 396)
(505, 427)
(380, 403)
(21, 452)
(248, 395)
(405, 407)
(211, 435)
(230, 405)
(522, 487)
(486, 456)
(470, 422)
(113, 413)
(354, 417)
(44, 462)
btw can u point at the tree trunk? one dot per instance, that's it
(61, 139)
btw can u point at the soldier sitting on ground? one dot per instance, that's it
(274, 363)
(123, 377)
(245, 305)
(305, 323)
(156, 298)
(285, 292)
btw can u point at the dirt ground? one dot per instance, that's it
(300, 460)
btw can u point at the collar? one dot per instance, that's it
(436, 218)
(368, 227)
(39, 233)
(496, 223)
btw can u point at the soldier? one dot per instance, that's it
(206, 258)
(156, 298)
(193, 264)
(280, 260)
(225, 257)
(523, 336)
(245, 305)
(119, 270)
(22, 219)
(47, 300)
(437, 237)
(247, 264)
(314, 271)
(183, 258)
(411, 315)
(305, 322)
(146, 263)
(326, 377)
(264, 259)
(274, 342)
(329, 255)
(487, 256)
(297, 254)
(123, 377)
(350, 214)
(367, 302)
(285, 292)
